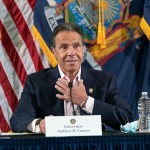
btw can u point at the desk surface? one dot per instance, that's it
(107, 141)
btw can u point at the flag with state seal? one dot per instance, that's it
(48, 14)
(116, 41)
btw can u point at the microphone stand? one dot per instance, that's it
(70, 85)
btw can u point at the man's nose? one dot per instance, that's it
(71, 51)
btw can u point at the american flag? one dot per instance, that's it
(20, 55)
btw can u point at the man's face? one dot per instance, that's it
(69, 51)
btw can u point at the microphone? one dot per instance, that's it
(70, 85)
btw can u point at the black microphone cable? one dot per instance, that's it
(70, 85)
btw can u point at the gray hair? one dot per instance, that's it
(66, 27)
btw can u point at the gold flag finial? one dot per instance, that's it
(101, 39)
(99, 30)
(103, 45)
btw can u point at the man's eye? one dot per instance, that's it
(64, 47)
(76, 46)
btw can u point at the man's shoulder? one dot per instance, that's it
(40, 72)
(43, 73)
(96, 72)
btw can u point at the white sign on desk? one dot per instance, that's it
(59, 126)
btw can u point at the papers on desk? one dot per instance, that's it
(11, 133)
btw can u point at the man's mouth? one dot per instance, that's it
(71, 60)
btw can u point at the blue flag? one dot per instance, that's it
(130, 64)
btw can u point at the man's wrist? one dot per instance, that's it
(83, 104)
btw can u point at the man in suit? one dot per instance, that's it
(47, 93)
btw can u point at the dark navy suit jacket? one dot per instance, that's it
(38, 99)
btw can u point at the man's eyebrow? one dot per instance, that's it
(77, 43)
(63, 44)
(67, 44)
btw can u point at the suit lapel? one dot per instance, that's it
(53, 75)
(58, 109)
(89, 83)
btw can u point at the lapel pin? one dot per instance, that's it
(90, 90)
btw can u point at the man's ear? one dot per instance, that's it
(53, 51)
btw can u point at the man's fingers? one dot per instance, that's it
(60, 84)
(63, 81)
(80, 82)
(42, 125)
(60, 89)
(63, 97)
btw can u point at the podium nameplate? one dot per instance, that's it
(60, 126)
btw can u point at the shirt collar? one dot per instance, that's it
(78, 76)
